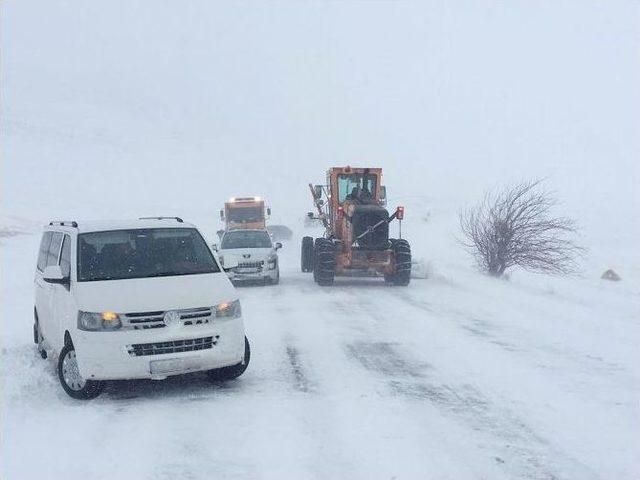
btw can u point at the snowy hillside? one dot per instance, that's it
(119, 109)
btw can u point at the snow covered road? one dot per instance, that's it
(121, 109)
(457, 378)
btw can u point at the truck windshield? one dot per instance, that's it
(245, 214)
(355, 186)
(245, 239)
(141, 253)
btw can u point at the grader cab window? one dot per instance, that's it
(355, 186)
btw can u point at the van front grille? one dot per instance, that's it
(174, 346)
(146, 320)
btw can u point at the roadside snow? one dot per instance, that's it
(121, 109)
(469, 378)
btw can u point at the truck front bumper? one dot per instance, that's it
(253, 276)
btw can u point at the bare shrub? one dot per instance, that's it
(515, 227)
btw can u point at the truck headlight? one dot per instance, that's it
(228, 309)
(272, 262)
(97, 322)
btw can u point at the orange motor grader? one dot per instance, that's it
(351, 206)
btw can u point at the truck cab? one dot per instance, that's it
(245, 213)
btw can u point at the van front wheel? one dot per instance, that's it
(37, 336)
(71, 380)
(234, 371)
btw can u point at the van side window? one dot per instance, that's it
(54, 249)
(44, 249)
(65, 256)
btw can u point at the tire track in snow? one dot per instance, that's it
(521, 451)
(496, 335)
(288, 331)
(381, 357)
(301, 382)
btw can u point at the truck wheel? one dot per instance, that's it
(71, 380)
(324, 261)
(402, 256)
(306, 258)
(234, 371)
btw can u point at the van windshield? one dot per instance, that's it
(246, 239)
(141, 253)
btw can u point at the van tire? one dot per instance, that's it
(90, 389)
(37, 337)
(233, 371)
(36, 333)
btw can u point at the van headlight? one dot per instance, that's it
(272, 262)
(96, 322)
(228, 309)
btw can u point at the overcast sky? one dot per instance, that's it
(148, 104)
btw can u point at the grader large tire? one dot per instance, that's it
(324, 267)
(306, 256)
(402, 257)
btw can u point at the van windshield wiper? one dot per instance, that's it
(182, 272)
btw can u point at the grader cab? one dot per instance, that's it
(352, 208)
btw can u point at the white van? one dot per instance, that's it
(135, 299)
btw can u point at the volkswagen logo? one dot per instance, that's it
(246, 255)
(172, 319)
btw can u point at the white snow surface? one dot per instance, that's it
(120, 109)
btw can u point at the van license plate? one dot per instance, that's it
(168, 366)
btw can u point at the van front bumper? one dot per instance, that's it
(160, 352)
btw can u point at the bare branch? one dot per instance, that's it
(514, 226)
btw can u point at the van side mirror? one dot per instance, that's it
(214, 247)
(221, 214)
(269, 211)
(278, 245)
(310, 215)
(317, 191)
(53, 274)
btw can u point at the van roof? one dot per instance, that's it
(105, 225)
